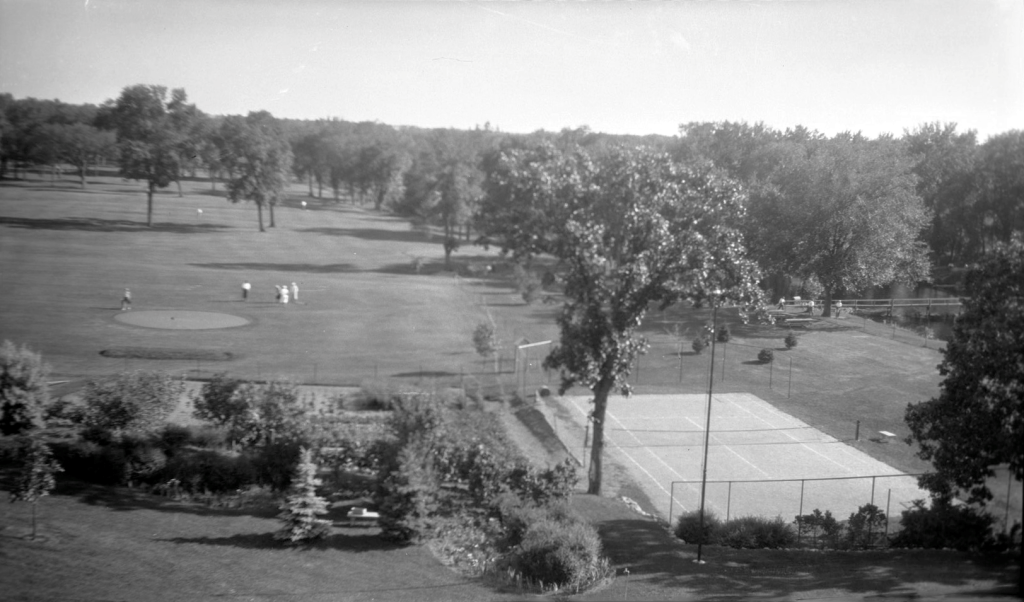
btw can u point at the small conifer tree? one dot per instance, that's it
(301, 508)
(36, 479)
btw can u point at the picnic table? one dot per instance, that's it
(362, 516)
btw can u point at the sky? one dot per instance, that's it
(617, 67)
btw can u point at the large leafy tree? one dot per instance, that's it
(23, 390)
(633, 230)
(147, 138)
(977, 421)
(844, 212)
(35, 480)
(945, 168)
(257, 155)
(1000, 183)
(79, 144)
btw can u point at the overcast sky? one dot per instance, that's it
(640, 68)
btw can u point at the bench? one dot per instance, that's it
(791, 320)
(362, 516)
(887, 433)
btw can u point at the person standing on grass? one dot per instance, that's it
(295, 292)
(126, 301)
(245, 290)
(284, 294)
(278, 297)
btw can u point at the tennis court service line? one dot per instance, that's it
(735, 453)
(804, 445)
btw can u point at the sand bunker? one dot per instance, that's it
(172, 319)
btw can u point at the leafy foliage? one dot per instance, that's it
(147, 138)
(217, 401)
(130, 401)
(821, 525)
(790, 340)
(724, 334)
(699, 344)
(632, 230)
(766, 355)
(975, 423)
(301, 509)
(258, 159)
(866, 527)
(23, 392)
(943, 525)
(756, 532)
(485, 339)
(688, 527)
(35, 480)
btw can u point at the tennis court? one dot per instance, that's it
(660, 438)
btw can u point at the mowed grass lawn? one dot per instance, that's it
(66, 255)
(104, 544)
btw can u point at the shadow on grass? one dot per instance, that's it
(124, 499)
(370, 542)
(328, 268)
(372, 234)
(661, 561)
(425, 374)
(107, 225)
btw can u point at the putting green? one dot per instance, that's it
(172, 319)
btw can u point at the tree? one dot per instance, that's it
(35, 480)
(945, 168)
(843, 212)
(218, 403)
(258, 157)
(632, 231)
(23, 390)
(1000, 183)
(131, 401)
(485, 340)
(300, 510)
(456, 192)
(273, 414)
(147, 139)
(80, 145)
(976, 422)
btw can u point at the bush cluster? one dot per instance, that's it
(765, 356)
(943, 525)
(790, 340)
(549, 544)
(743, 532)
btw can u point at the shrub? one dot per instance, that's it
(23, 390)
(376, 395)
(409, 496)
(688, 527)
(206, 470)
(549, 543)
(724, 334)
(699, 344)
(943, 525)
(527, 283)
(765, 356)
(866, 527)
(131, 401)
(217, 402)
(790, 340)
(756, 532)
(821, 525)
(274, 463)
(485, 339)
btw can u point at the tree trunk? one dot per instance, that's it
(271, 206)
(310, 179)
(179, 189)
(319, 188)
(149, 205)
(259, 214)
(34, 503)
(826, 309)
(81, 174)
(597, 450)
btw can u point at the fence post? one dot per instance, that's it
(671, 499)
(790, 391)
(586, 437)
(856, 433)
(1006, 519)
(888, 499)
(873, 491)
(801, 512)
(771, 371)
(724, 345)
(728, 502)
(680, 362)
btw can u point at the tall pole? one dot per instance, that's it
(707, 429)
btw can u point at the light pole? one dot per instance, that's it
(707, 427)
